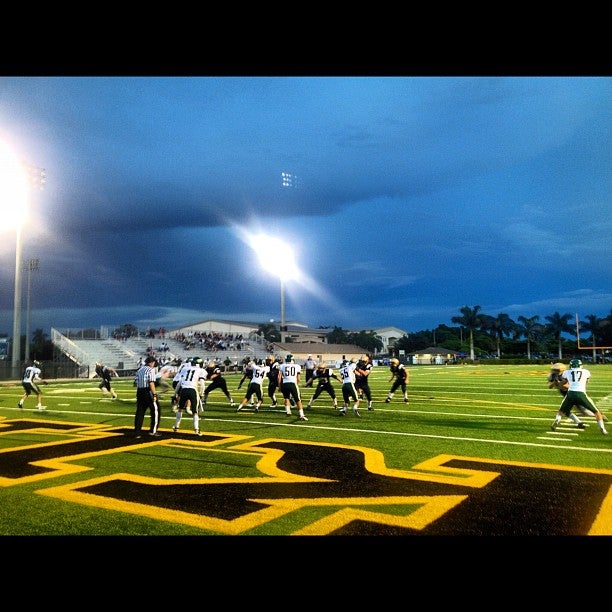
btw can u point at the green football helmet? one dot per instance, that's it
(575, 363)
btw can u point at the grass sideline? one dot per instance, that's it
(471, 454)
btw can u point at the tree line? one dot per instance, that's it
(478, 334)
(475, 333)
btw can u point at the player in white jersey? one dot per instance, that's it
(165, 373)
(349, 392)
(29, 382)
(175, 383)
(259, 373)
(288, 382)
(190, 390)
(577, 379)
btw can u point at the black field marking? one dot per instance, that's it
(325, 488)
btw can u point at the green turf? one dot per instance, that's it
(220, 484)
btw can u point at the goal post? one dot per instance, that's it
(586, 348)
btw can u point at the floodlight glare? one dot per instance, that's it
(14, 187)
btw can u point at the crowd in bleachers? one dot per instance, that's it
(211, 342)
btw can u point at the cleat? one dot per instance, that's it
(20, 404)
(303, 418)
(41, 407)
(387, 401)
(356, 412)
(232, 404)
(273, 405)
(238, 409)
(406, 400)
(308, 407)
(256, 409)
(604, 432)
(342, 412)
(581, 426)
(197, 432)
(554, 425)
(155, 434)
(288, 412)
(175, 429)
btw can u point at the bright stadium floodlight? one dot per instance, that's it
(14, 188)
(269, 248)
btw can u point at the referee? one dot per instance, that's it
(146, 397)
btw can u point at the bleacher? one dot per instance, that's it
(123, 355)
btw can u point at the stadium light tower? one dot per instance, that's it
(31, 266)
(271, 249)
(14, 183)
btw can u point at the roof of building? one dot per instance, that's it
(434, 350)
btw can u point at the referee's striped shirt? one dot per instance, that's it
(144, 376)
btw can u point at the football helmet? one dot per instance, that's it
(575, 363)
(394, 361)
(289, 358)
(197, 361)
(36, 363)
(270, 359)
(365, 358)
(211, 364)
(322, 366)
(557, 367)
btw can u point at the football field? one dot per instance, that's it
(471, 454)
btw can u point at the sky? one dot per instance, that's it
(403, 199)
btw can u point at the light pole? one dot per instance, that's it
(14, 187)
(17, 303)
(32, 266)
(282, 296)
(270, 248)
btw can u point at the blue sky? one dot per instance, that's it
(410, 198)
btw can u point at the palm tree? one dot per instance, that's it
(557, 324)
(528, 327)
(500, 326)
(268, 332)
(471, 320)
(593, 324)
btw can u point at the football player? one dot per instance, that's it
(401, 376)
(323, 376)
